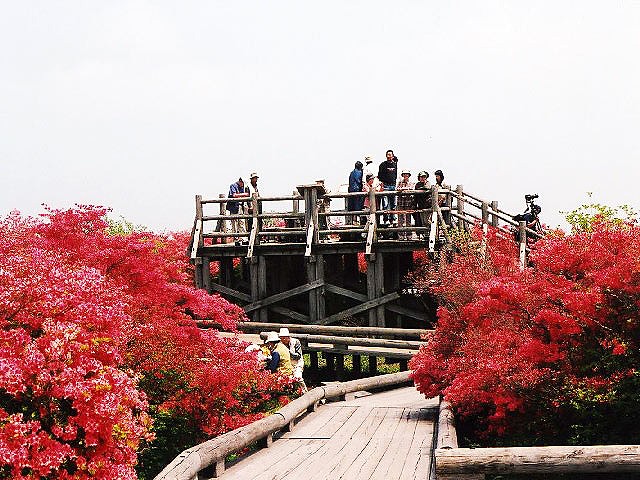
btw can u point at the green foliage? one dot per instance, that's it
(583, 218)
(122, 227)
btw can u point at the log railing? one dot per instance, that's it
(212, 453)
(473, 463)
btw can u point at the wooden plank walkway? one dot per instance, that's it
(387, 435)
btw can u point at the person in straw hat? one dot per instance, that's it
(295, 351)
(405, 202)
(280, 356)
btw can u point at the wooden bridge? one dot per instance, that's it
(302, 260)
(395, 434)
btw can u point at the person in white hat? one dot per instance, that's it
(280, 356)
(405, 202)
(295, 350)
(252, 190)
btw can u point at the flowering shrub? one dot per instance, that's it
(97, 331)
(545, 353)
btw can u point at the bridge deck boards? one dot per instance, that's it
(384, 435)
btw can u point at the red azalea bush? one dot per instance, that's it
(91, 318)
(544, 354)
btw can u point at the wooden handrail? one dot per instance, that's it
(213, 452)
(355, 341)
(374, 332)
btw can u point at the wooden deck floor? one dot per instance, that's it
(386, 435)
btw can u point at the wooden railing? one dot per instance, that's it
(311, 220)
(473, 463)
(212, 453)
(334, 343)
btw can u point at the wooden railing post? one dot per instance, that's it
(494, 216)
(433, 231)
(222, 223)
(523, 243)
(485, 213)
(460, 207)
(296, 209)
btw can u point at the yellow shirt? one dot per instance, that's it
(284, 366)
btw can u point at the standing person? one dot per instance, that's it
(280, 356)
(405, 202)
(444, 199)
(355, 185)
(236, 190)
(423, 202)
(251, 190)
(388, 175)
(367, 186)
(295, 351)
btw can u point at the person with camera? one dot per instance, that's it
(530, 217)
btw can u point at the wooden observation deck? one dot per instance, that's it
(303, 258)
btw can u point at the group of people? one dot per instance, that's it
(282, 353)
(395, 209)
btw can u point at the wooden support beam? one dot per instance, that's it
(262, 286)
(361, 297)
(407, 312)
(283, 296)
(230, 292)
(290, 313)
(375, 303)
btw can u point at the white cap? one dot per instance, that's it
(405, 171)
(284, 332)
(272, 337)
(367, 159)
(253, 175)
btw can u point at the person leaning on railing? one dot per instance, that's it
(236, 190)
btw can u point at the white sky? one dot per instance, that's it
(142, 105)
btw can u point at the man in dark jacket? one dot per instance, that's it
(388, 175)
(355, 185)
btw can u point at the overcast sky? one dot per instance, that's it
(142, 105)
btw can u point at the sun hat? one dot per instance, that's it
(284, 332)
(254, 175)
(423, 174)
(405, 171)
(272, 337)
(367, 159)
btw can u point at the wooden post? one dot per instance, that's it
(373, 365)
(485, 213)
(460, 207)
(375, 288)
(330, 360)
(262, 286)
(494, 216)
(523, 244)
(340, 366)
(206, 274)
(255, 291)
(223, 222)
(296, 209)
(356, 364)
(198, 273)
(313, 360)
(312, 276)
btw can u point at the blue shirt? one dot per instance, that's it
(233, 207)
(355, 181)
